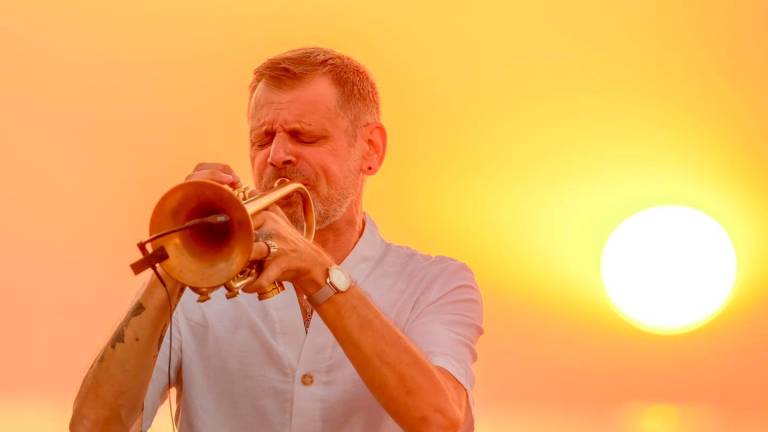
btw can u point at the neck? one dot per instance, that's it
(338, 238)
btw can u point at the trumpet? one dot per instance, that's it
(202, 235)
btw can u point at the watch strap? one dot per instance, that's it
(321, 295)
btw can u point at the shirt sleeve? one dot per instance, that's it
(158, 385)
(446, 322)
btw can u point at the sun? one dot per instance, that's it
(669, 269)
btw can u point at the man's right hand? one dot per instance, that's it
(216, 172)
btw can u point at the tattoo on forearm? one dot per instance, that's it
(119, 336)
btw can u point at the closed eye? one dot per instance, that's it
(260, 142)
(305, 138)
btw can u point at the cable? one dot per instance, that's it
(213, 219)
(170, 344)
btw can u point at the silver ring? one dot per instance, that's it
(272, 246)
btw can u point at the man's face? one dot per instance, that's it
(299, 133)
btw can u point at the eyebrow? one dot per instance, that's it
(298, 126)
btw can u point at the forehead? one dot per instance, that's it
(313, 102)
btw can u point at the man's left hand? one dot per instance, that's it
(296, 259)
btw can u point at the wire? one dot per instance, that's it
(213, 219)
(170, 344)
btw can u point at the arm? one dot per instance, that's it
(417, 394)
(113, 390)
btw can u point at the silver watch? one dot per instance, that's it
(338, 281)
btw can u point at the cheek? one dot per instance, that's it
(258, 165)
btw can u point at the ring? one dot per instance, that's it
(272, 246)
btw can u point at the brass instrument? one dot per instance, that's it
(212, 235)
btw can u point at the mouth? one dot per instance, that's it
(285, 180)
(289, 202)
(290, 174)
(305, 184)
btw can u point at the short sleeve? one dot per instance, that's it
(446, 322)
(158, 385)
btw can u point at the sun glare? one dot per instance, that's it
(669, 269)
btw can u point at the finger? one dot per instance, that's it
(260, 251)
(260, 219)
(270, 274)
(224, 168)
(215, 166)
(213, 175)
(274, 208)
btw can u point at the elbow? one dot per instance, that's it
(83, 421)
(93, 417)
(444, 420)
(80, 422)
(84, 414)
(451, 420)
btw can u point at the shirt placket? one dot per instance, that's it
(311, 379)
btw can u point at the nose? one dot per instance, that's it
(280, 154)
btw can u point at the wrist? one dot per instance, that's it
(175, 288)
(338, 281)
(315, 278)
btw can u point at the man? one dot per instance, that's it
(368, 336)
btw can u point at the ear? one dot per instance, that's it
(374, 141)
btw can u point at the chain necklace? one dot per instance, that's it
(306, 309)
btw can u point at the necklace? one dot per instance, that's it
(306, 312)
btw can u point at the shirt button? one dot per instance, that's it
(307, 379)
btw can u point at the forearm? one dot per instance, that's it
(112, 392)
(407, 385)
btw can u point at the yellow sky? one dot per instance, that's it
(520, 134)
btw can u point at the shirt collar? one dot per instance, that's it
(366, 250)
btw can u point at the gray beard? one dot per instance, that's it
(326, 213)
(327, 210)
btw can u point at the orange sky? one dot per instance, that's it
(520, 136)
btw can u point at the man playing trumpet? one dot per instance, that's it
(368, 335)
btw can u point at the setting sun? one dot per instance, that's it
(669, 269)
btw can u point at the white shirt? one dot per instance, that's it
(245, 364)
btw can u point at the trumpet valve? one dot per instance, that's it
(277, 288)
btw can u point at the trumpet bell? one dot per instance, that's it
(207, 255)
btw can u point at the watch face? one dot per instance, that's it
(339, 278)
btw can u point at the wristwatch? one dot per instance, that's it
(338, 281)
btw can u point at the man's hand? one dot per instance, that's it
(217, 172)
(297, 259)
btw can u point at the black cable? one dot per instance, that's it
(213, 219)
(170, 343)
